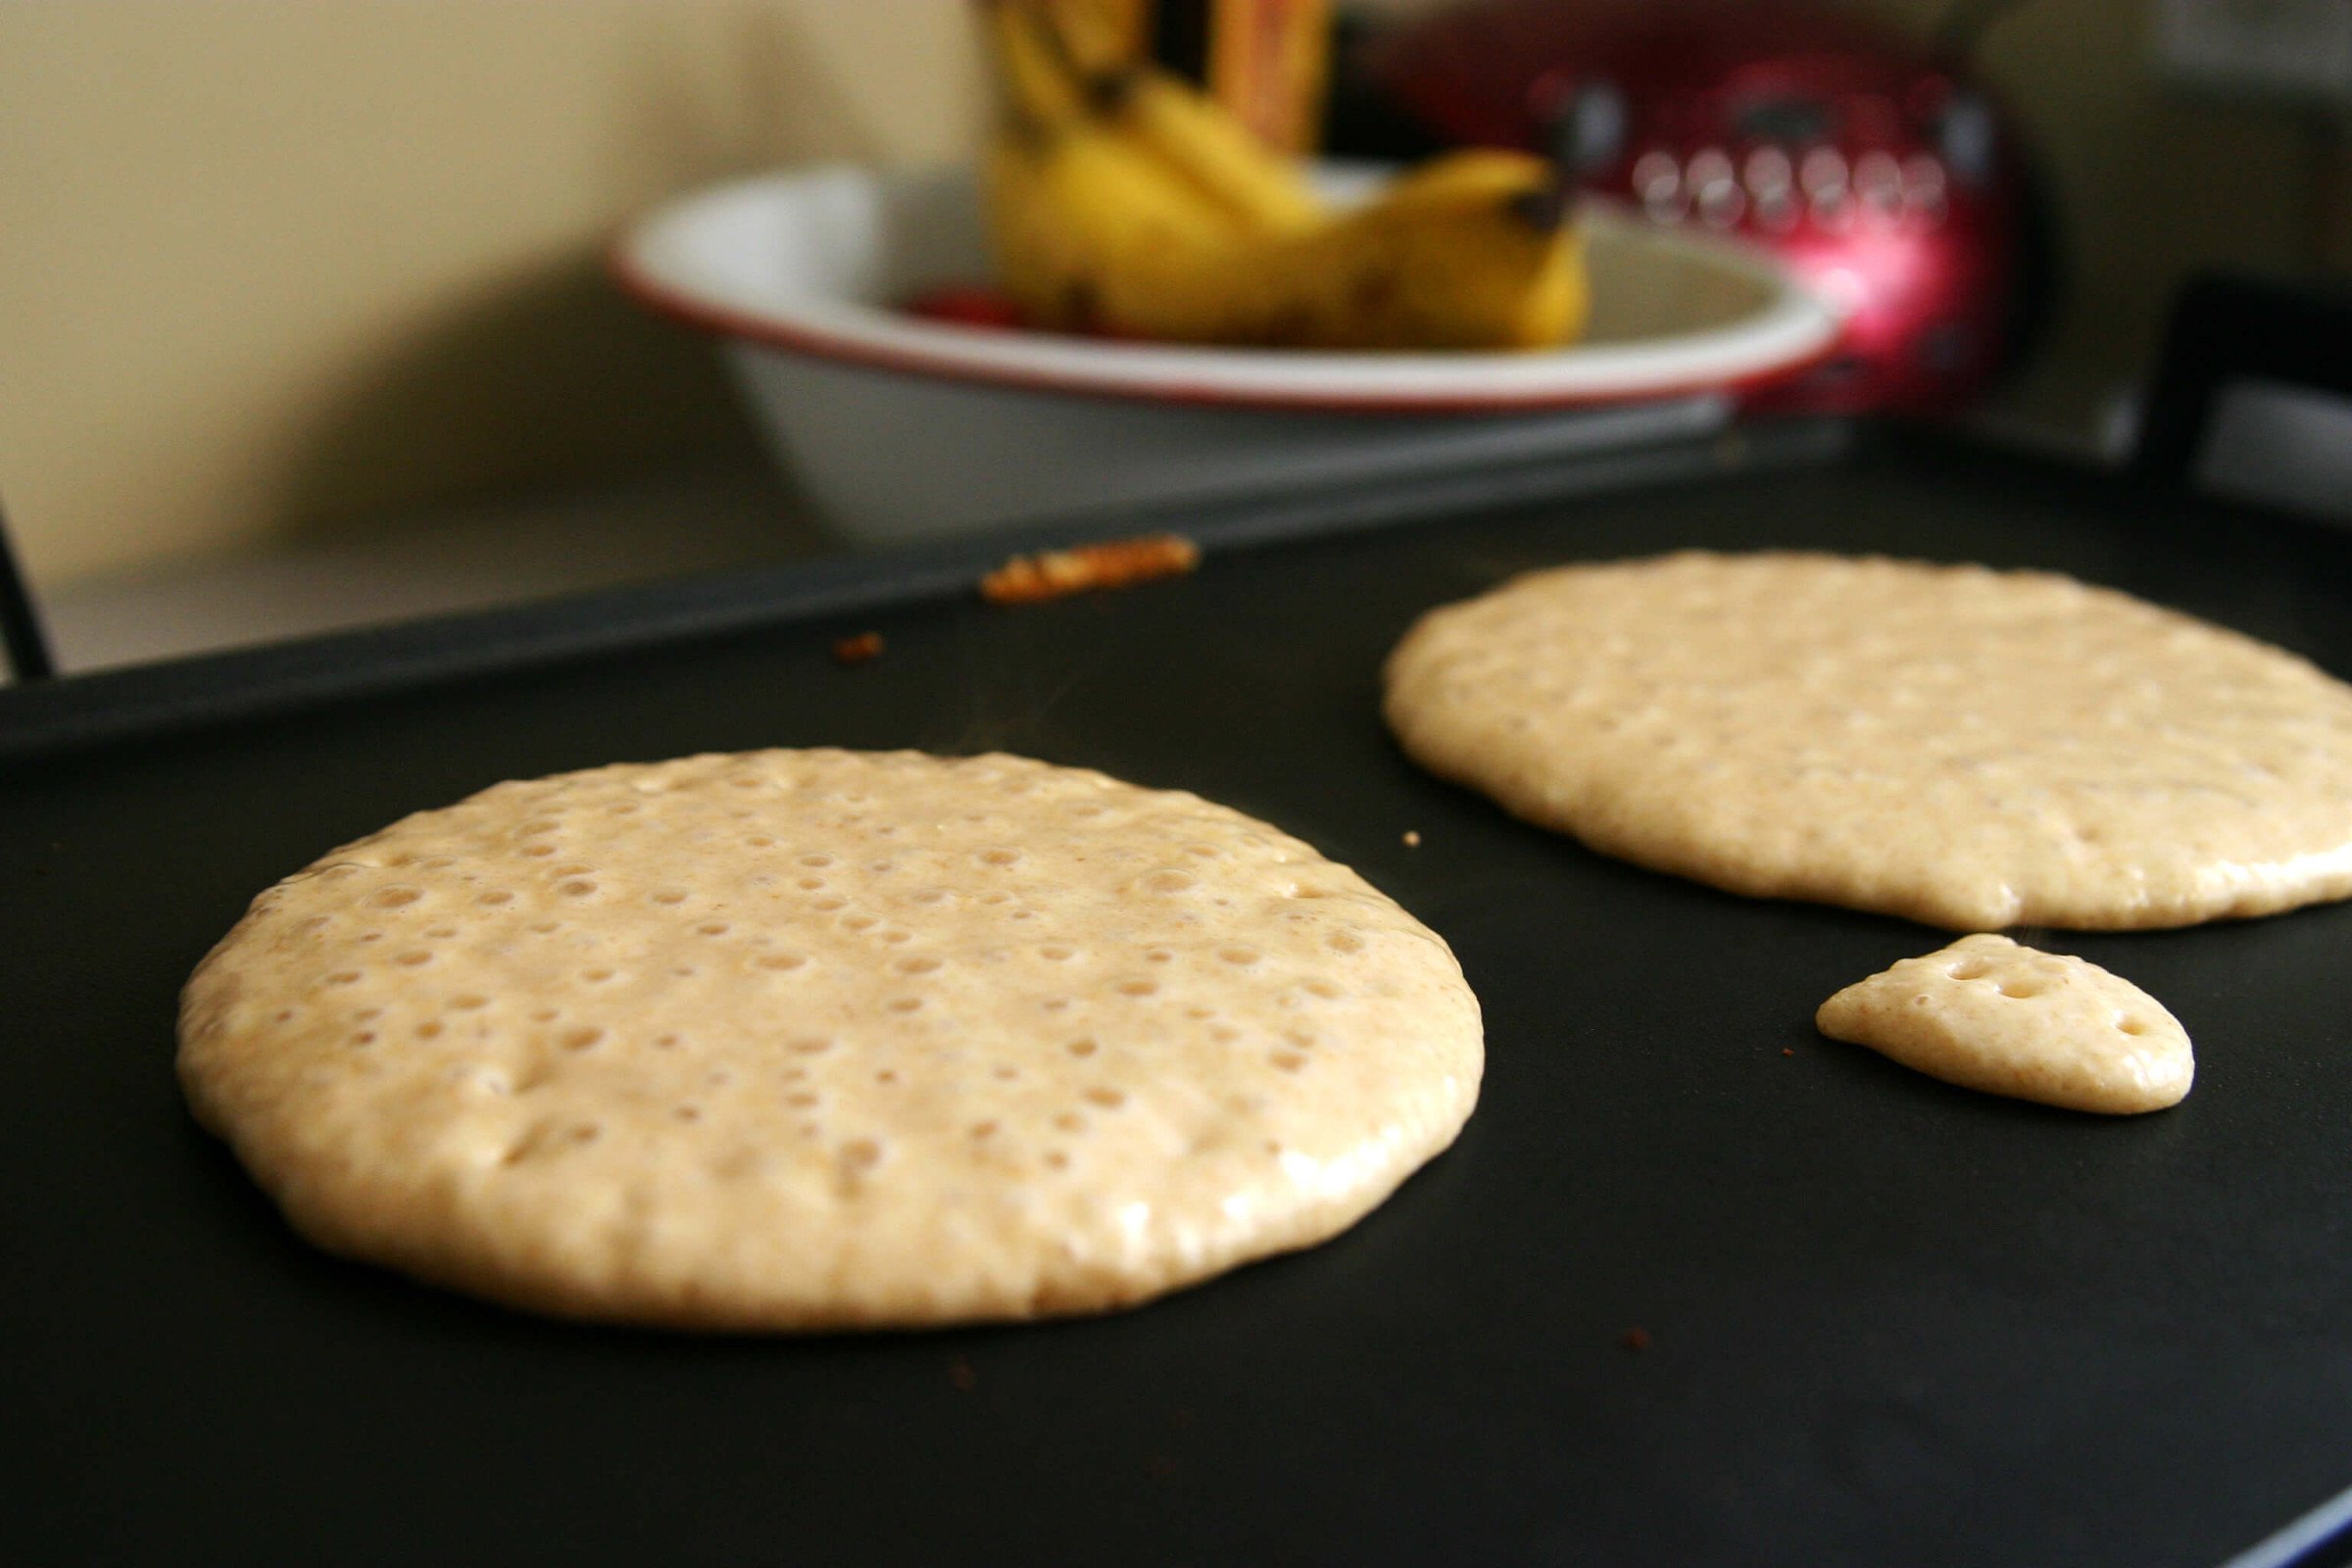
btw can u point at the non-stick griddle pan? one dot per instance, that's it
(1695, 1286)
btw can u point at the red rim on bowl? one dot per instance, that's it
(694, 261)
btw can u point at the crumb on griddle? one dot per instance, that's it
(861, 649)
(961, 1374)
(1082, 569)
(1635, 1339)
(1413, 839)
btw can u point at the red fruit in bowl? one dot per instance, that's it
(968, 305)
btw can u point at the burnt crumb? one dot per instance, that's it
(1635, 1339)
(1057, 574)
(864, 648)
(961, 1374)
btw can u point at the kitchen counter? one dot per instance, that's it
(474, 557)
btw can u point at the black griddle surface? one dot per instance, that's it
(1887, 1321)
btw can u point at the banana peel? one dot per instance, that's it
(1453, 259)
(1122, 202)
(1211, 149)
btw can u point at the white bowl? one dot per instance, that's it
(900, 428)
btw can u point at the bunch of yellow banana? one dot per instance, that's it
(1120, 200)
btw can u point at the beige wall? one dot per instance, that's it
(277, 265)
(273, 267)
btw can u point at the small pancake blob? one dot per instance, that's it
(1987, 1013)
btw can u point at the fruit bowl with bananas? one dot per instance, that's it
(1176, 314)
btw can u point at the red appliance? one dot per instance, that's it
(1886, 176)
